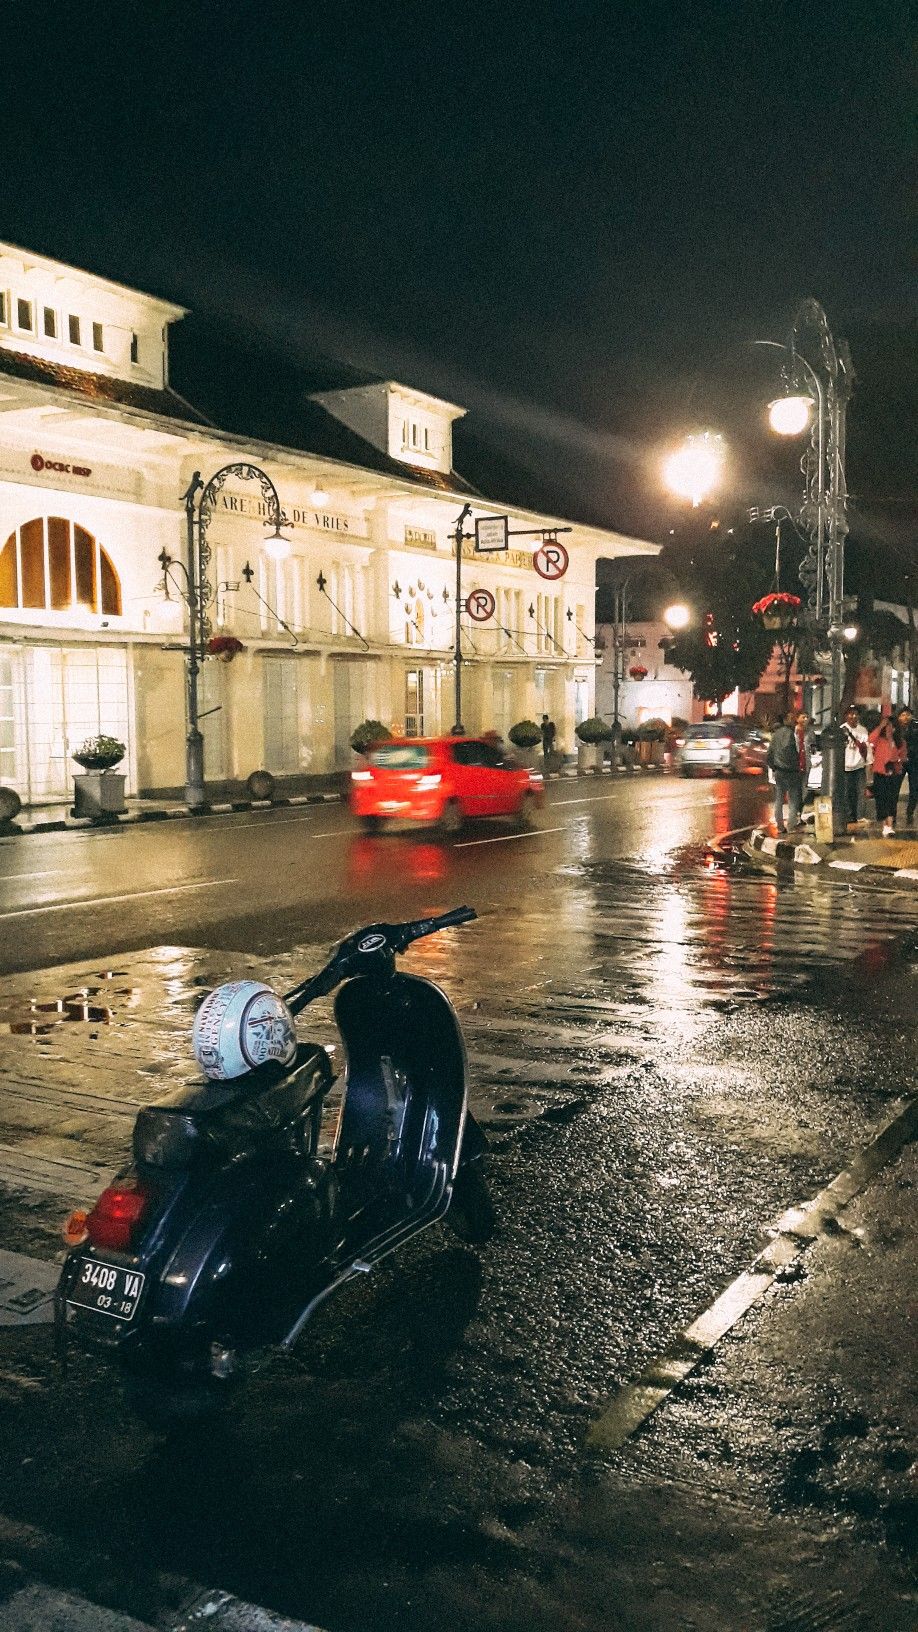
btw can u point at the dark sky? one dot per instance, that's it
(571, 218)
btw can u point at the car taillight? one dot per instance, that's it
(535, 776)
(117, 1213)
(429, 781)
(361, 776)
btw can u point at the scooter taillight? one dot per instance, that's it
(117, 1213)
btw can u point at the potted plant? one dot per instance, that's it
(526, 737)
(367, 733)
(99, 791)
(224, 647)
(637, 671)
(591, 735)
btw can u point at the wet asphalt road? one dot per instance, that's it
(666, 1057)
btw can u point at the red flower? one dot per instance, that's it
(637, 671)
(777, 603)
(224, 647)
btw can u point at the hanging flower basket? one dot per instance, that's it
(637, 671)
(777, 610)
(224, 647)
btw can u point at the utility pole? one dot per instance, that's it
(459, 536)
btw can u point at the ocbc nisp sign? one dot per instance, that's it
(39, 462)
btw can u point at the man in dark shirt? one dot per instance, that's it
(548, 740)
(784, 761)
(908, 726)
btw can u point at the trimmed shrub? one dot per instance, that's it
(369, 732)
(594, 730)
(525, 734)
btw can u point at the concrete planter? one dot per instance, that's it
(525, 756)
(589, 758)
(99, 795)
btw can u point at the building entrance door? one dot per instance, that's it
(72, 693)
(414, 703)
(282, 733)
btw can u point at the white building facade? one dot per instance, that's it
(359, 621)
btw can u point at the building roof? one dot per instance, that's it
(99, 387)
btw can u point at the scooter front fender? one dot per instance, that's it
(405, 1096)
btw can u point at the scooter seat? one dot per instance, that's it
(222, 1116)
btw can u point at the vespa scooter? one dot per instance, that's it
(231, 1226)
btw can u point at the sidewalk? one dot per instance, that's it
(854, 853)
(776, 1490)
(57, 818)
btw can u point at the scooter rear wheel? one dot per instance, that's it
(471, 1213)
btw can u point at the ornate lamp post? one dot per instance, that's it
(199, 502)
(823, 379)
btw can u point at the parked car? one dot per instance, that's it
(443, 780)
(727, 747)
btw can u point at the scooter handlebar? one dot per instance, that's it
(404, 934)
(353, 952)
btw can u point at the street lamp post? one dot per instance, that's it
(459, 537)
(199, 500)
(824, 509)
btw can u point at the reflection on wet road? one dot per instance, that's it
(666, 1056)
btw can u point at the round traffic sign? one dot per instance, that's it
(551, 559)
(480, 605)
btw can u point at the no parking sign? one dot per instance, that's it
(551, 559)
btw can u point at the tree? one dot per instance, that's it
(727, 652)
(726, 648)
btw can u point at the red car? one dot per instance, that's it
(444, 780)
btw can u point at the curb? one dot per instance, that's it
(803, 855)
(795, 1231)
(168, 813)
(108, 1597)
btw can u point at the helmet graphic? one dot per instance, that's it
(239, 1026)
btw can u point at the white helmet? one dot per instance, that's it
(240, 1026)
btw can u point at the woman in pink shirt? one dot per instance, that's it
(888, 769)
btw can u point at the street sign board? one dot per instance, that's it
(480, 605)
(491, 533)
(551, 560)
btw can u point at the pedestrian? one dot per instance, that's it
(908, 727)
(888, 769)
(549, 732)
(857, 749)
(786, 757)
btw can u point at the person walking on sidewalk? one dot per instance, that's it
(784, 762)
(549, 732)
(857, 748)
(888, 769)
(908, 727)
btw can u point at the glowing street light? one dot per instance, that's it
(697, 468)
(276, 545)
(677, 616)
(790, 416)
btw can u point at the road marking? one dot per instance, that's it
(797, 1229)
(735, 832)
(507, 838)
(109, 900)
(54, 872)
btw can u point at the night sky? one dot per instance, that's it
(571, 218)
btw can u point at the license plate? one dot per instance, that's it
(107, 1289)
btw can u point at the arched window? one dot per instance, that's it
(54, 565)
